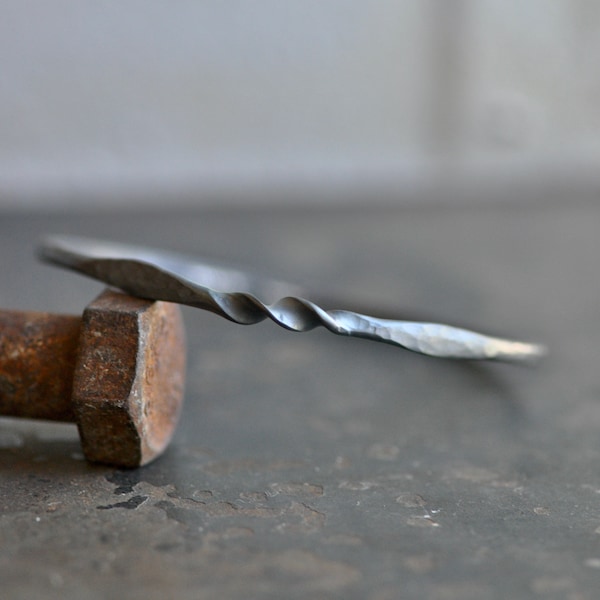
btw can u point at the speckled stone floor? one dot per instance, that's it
(308, 465)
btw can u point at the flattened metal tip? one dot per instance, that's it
(236, 295)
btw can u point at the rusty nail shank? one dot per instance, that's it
(37, 361)
(118, 372)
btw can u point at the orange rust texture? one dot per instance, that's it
(128, 384)
(106, 369)
(37, 360)
(161, 382)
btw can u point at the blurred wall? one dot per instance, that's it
(245, 101)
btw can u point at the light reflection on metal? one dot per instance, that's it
(240, 297)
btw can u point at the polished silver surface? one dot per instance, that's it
(242, 298)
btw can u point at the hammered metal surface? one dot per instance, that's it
(151, 273)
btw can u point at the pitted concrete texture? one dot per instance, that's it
(307, 465)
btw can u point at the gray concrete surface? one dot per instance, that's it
(308, 465)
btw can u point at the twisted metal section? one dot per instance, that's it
(159, 275)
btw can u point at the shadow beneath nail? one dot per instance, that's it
(30, 449)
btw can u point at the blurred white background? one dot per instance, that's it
(272, 101)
